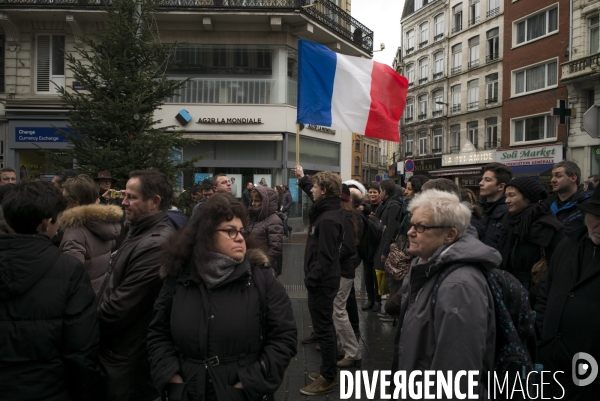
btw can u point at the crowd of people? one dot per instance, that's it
(115, 295)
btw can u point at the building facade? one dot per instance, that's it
(241, 61)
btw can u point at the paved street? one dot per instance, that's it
(377, 337)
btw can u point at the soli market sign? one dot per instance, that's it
(531, 155)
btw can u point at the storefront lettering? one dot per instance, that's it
(527, 153)
(205, 120)
(41, 134)
(468, 158)
(321, 129)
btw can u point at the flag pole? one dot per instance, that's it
(297, 144)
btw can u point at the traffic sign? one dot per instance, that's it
(408, 174)
(409, 165)
(378, 178)
(591, 121)
(385, 176)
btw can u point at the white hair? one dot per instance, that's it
(445, 208)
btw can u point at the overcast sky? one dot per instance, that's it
(383, 18)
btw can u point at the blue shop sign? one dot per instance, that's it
(40, 134)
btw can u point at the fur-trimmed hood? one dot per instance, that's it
(97, 218)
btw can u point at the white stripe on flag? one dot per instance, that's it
(351, 100)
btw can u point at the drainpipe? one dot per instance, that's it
(570, 28)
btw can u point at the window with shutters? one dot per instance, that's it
(50, 63)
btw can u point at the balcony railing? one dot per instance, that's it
(422, 116)
(325, 12)
(408, 119)
(456, 108)
(472, 105)
(491, 57)
(491, 100)
(436, 113)
(457, 29)
(493, 12)
(436, 150)
(411, 84)
(473, 21)
(408, 153)
(454, 149)
(456, 70)
(423, 44)
(438, 36)
(422, 80)
(437, 75)
(491, 145)
(409, 50)
(580, 65)
(474, 63)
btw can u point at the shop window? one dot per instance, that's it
(50, 63)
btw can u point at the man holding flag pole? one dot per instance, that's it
(358, 95)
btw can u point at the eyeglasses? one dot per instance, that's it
(233, 233)
(420, 228)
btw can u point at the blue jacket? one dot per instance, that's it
(569, 215)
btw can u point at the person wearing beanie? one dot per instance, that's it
(343, 304)
(530, 232)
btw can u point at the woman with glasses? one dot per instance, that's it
(456, 330)
(265, 224)
(223, 327)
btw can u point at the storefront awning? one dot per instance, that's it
(532, 170)
(456, 171)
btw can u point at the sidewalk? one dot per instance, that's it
(377, 338)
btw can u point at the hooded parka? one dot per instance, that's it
(125, 309)
(48, 323)
(387, 213)
(266, 225)
(460, 333)
(90, 235)
(191, 324)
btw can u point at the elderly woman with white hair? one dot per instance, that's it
(447, 318)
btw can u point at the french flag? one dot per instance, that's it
(352, 93)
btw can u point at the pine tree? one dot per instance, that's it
(124, 73)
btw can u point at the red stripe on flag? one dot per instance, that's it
(388, 98)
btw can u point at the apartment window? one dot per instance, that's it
(491, 133)
(455, 98)
(456, 58)
(409, 143)
(457, 18)
(493, 8)
(419, 4)
(409, 110)
(423, 34)
(219, 57)
(493, 44)
(491, 89)
(438, 99)
(356, 166)
(455, 138)
(438, 22)
(438, 64)
(422, 143)
(241, 58)
(474, 9)
(537, 26)
(2, 47)
(423, 70)
(50, 63)
(357, 145)
(590, 98)
(422, 107)
(410, 74)
(534, 128)
(410, 41)
(473, 94)
(472, 135)
(594, 34)
(536, 78)
(437, 140)
(474, 51)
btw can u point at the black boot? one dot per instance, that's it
(367, 305)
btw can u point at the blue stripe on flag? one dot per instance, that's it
(316, 72)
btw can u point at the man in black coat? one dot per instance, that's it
(567, 312)
(48, 322)
(288, 201)
(131, 286)
(322, 270)
(246, 200)
(492, 200)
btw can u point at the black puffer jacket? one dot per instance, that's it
(48, 323)
(567, 313)
(387, 213)
(191, 323)
(125, 309)
(322, 252)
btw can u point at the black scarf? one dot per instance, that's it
(516, 226)
(321, 206)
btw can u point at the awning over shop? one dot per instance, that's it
(456, 171)
(532, 170)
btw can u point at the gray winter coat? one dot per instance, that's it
(90, 234)
(267, 226)
(460, 333)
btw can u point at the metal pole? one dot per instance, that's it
(297, 144)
